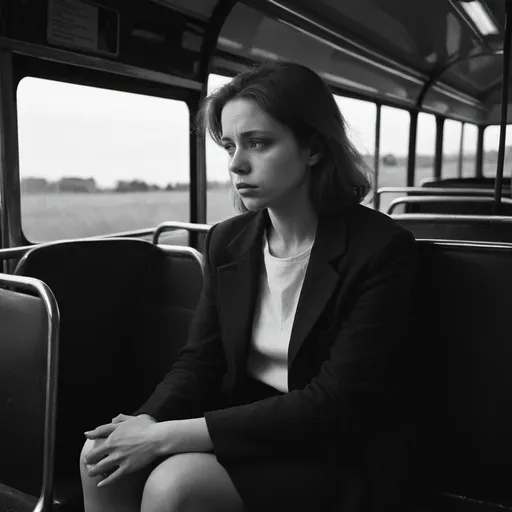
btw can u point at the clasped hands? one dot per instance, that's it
(129, 444)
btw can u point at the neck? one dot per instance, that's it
(293, 226)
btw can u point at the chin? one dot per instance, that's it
(253, 205)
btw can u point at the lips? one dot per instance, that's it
(240, 186)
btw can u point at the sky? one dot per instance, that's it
(72, 130)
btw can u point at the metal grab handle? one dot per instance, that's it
(442, 199)
(175, 225)
(190, 252)
(425, 191)
(42, 290)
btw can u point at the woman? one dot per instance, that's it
(300, 336)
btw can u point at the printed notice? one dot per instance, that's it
(73, 23)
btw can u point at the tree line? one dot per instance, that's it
(32, 185)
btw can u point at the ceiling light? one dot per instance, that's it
(480, 17)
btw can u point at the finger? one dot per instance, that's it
(105, 466)
(112, 477)
(120, 418)
(96, 454)
(101, 431)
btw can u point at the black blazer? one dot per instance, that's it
(347, 360)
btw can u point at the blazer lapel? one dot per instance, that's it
(238, 286)
(320, 280)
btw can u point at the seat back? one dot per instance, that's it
(457, 227)
(455, 205)
(463, 306)
(479, 182)
(119, 298)
(29, 321)
(165, 318)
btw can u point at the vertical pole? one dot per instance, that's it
(479, 167)
(10, 218)
(376, 156)
(438, 158)
(504, 109)
(411, 159)
(461, 150)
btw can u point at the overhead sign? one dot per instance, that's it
(83, 25)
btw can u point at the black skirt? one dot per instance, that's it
(286, 485)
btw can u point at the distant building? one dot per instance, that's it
(34, 186)
(81, 185)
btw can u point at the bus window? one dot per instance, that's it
(361, 118)
(451, 148)
(219, 198)
(96, 161)
(425, 147)
(394, 146)
(469, 150)
(491, 144)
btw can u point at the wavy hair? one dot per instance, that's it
(298, 98)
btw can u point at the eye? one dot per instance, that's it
(257, 143)
(229, 148)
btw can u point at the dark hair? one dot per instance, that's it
(298, 98)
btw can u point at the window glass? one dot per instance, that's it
(491, 145)
(394, 147)
(219, 196)
(425, 147)
(361, 118)
(96, 161)
(451, 148)
(469, 150)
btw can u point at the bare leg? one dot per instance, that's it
(190, 482)
(124, 495)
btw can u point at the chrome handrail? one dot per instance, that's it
(445, 199)
(185, 250)
(175, 225)
(452, 217)
(15, 252)
(42, 290)
(437, 191)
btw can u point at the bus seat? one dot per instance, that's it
(481, 228)
(455, 205)
(478, 182)
(463, 305)
(29, 321)
(126, 306)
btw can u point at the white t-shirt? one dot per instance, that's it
(280, 286)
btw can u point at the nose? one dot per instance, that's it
(239, 163)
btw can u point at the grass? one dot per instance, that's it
(48, 217)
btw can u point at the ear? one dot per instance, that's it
(316, 151)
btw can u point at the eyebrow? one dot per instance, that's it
(249, 133)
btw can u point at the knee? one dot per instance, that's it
(88, 446)
(166, 489)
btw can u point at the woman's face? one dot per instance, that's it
(267, 166)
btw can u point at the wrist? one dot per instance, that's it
(163, 439)
(146, 416)
(178, 436)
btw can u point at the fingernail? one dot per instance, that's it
(87, 432)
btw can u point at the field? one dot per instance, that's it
(65, 215)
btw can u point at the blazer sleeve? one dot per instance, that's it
(197, 374)
(353, 384)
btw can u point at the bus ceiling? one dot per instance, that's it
(442, 56)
